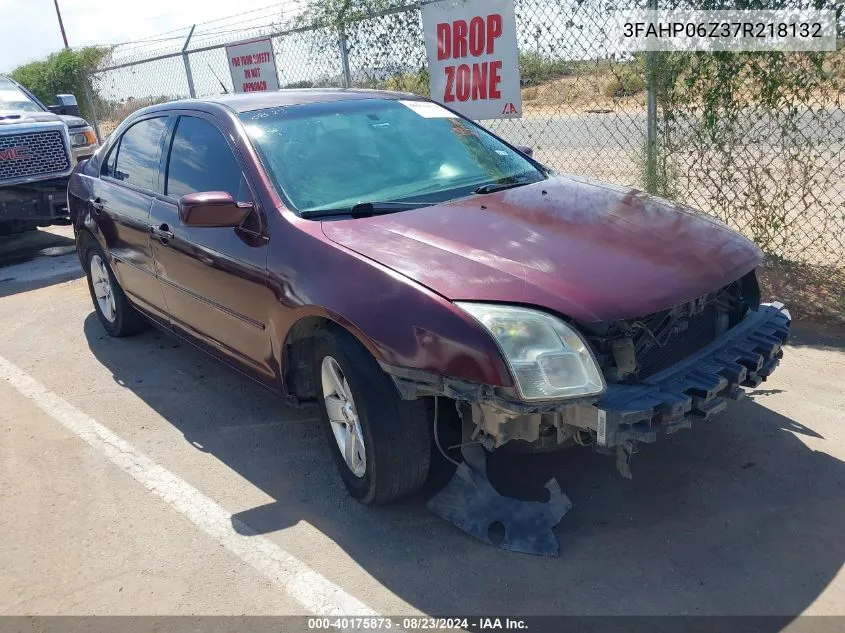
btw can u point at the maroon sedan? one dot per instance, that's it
(382, 256)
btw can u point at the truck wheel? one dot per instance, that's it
(116, 314)
(379, 442)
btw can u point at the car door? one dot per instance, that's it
(122, 197)
(213, 279)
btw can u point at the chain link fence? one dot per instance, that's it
(755, 139)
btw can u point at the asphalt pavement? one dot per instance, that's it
(138, 476)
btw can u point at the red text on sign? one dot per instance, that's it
(481, 81)
(250, 60)
(460, 39)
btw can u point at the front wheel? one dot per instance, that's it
(380, 443)
(116, 314)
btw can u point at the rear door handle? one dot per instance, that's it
(97, 205)
(162, 232)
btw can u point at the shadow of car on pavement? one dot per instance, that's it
(736, 516)
(36, 259)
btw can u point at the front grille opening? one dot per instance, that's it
(664, 338)
(679, 340)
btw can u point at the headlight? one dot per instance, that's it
(548, 358)
(82, 137)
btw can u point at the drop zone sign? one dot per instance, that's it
(253, 66)
(472, 56)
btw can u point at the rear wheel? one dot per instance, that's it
(116, 314)
(380, 443)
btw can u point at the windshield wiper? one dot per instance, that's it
(367, 208)
(493, 187)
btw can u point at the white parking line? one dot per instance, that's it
(315, 593)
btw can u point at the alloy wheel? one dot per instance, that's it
(343, 416)
(101, 281)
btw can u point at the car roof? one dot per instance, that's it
(246, 102)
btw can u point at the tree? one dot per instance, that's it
(338, 13)
(62, 72)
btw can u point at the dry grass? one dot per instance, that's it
(812, 293)
(578, 94)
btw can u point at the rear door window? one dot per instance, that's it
(139, 154)
(201, 160)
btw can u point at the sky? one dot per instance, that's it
(29, 29)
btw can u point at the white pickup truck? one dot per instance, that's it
(39, 147)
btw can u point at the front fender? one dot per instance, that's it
(400, 322)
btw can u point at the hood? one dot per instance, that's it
(73, 121)
(584, 249)
(12, 117)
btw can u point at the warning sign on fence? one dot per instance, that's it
(253, 66)
(472, 56)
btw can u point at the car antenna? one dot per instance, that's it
(222, 85)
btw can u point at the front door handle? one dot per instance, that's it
(162, 232)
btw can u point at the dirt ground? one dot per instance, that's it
(117, 456)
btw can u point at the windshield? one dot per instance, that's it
(331, 156)
(13, 98)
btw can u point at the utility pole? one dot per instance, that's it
(61, 24)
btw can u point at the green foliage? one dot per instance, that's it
(336, 14)
(61, 73)
(756, 128)
(535, 69)
(417, 83)
(624, 83)
(299, 84)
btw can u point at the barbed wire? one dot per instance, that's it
(206, 33)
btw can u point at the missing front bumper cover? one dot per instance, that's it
(698, 387)
(694, 389)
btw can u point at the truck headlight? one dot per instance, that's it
(82, 137)
(548, 359)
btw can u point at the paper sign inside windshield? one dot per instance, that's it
(429, 110)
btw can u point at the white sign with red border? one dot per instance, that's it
(253, 65)
(473, 58)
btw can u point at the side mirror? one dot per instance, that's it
(212, 209)
(65, 104)
(525, 149)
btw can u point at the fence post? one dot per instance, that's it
(651, 175)
(89, 98)
(344, 59)
(187, 63)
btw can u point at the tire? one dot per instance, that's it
(395, 432)
(125, 319)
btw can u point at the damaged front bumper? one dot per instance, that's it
(699, 386)
(695, 388)
(39, 201)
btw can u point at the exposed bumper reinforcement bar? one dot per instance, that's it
(699, 386)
